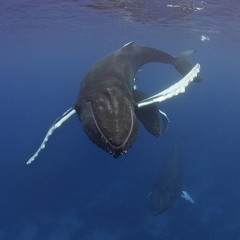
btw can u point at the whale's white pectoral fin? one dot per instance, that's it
(57, 123)
(174, 90)
(164, 121)
(187, 197)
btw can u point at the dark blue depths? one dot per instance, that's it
(75, 190)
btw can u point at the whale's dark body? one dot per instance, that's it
(107, 101)
(109, 106)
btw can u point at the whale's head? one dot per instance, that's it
(109, 120)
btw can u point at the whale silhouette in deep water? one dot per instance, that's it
(167, 187)
(109, 106)
(168, 184)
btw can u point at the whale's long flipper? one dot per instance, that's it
(174, 90)
(183, 65)
(57, 123)
(164, 121)
(187, 197)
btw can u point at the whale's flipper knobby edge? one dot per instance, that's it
(173, 90)
(57, 123)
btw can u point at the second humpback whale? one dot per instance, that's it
(109, 106)
(167, 187)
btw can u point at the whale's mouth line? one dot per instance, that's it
(113, 147)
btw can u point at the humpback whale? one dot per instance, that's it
(167, 187)
(168, 184)
(108, 105)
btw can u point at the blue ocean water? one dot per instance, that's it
(74, 190)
